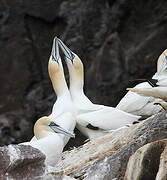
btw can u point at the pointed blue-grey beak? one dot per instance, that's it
(57, 129)
(55, 51)
(67, 52)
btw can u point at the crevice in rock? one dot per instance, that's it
(144, 163)
(151, 163)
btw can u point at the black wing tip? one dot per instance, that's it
(153, 82)
(135, 122)
(89, 126)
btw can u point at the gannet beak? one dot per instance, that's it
(57, 129)
(67, 52)
(55, 51)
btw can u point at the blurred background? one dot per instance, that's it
(117, 40)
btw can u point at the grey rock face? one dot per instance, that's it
(144, 163)
(14, 128)
(24, 162)
(162, 171)
(21, 162)
(116, 40)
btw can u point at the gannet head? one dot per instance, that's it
(45, 127)
(55, 69)
(54, 60)
(75, 65)
(162, 63)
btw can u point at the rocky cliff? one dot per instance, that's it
(117, 41)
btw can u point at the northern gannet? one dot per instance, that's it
(92, 120)
(50, 139)
(145, 106)
(63, 105)
(161, 74)
(160, 91)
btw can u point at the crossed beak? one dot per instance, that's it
(67, 52)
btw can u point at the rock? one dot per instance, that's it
(123, 43)
(25, 162)
(44, 10)
(148, 162)
(162, 171)
(110, 55)
(13, 126)
(19, 162)
(107, 157)
(144, 163)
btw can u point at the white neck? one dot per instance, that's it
(76, 80)
(76, 71)
(79, 98)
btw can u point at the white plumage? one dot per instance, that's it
(51, 144)
(142, 105)
(138, 105)
(53, 132)
(159, 92)
(156, 92)
(92, 120)
(50, 138)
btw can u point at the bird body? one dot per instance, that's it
(53, 132)
(51, 146)
(160, 91)
(139, 105)
(161, 79)
(92, 120)
(63, 112)
(49, 139)
(144, 105)
(161, 74)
